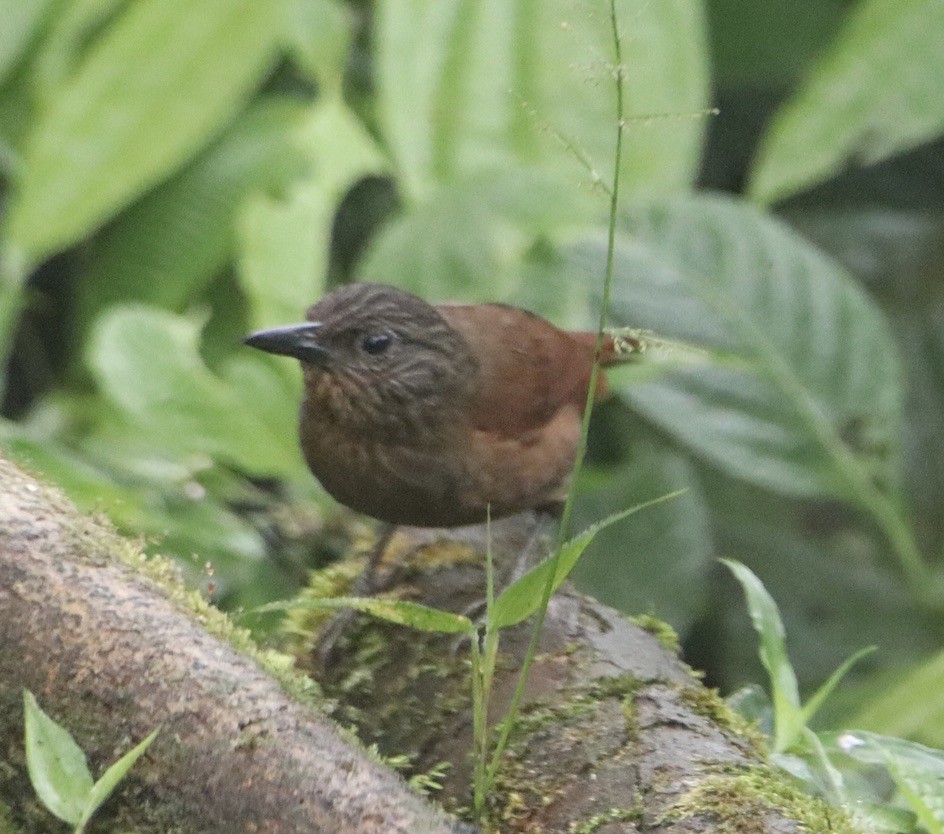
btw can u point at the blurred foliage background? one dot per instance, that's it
(176, 173)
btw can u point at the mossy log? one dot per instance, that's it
(112, 647)
(617, 735)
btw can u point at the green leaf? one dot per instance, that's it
(877, 92)
(805, 397)
(753, 703)
(148, 364)
(283, 253)
(835, 588)
(338, 147)
(13, 275)
(765, 616)
(72, 33)
(832, 783)
(657, 563)
(523, 597)
(471, 240)
(467, 87)
(919, 782)
(319, 38)
(889, 249)
(918, 772)
(270, 389)
(152, 90)
(284, 242)
(145, 490)
(401, 612)
(910, 703)
(37, 446)
(760, 45)
(881, 817)
(167, 247)
(109, 780)
(21, 20)
(56, 764)
(811, 707)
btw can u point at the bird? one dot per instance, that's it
(439, 415)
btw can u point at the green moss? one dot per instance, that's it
(742, 799)
(519, 787)
(596, 822)
(302, 626)
(662, 631)
(430, 781)
(96, 538)
(628, 708)
(579, 704)
(6, 820)
(398, 661)
(709, 704)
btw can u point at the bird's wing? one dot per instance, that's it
(528, 369)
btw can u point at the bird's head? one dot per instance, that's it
(376, 348)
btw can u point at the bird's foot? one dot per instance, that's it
(367, 584)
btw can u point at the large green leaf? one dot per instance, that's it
(759, 44)
(147, 362)
(319, 36)
(21, 19)
(656, 562)
(472, 240)
(155, 87)
(807, 399)
(470, 86)
(104, 464)
(12, 276)
(284, 242)
(877, 92)
(920, 330)
(830, 575)
(911, 705)
(166, 248)
(72, 33)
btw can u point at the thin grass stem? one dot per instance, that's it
(511, 715)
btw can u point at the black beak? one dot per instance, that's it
(298, 340)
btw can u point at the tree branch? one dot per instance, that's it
(112, 653)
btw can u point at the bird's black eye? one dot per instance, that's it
(376, 343)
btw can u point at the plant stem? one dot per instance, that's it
(509, 720)
(479, 729)
(483, 670)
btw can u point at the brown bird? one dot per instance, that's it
(428, 415)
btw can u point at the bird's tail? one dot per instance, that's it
(618, 348)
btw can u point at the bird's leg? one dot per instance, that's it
(365, 585)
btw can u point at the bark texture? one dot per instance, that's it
(616, 735)
(112, 654)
